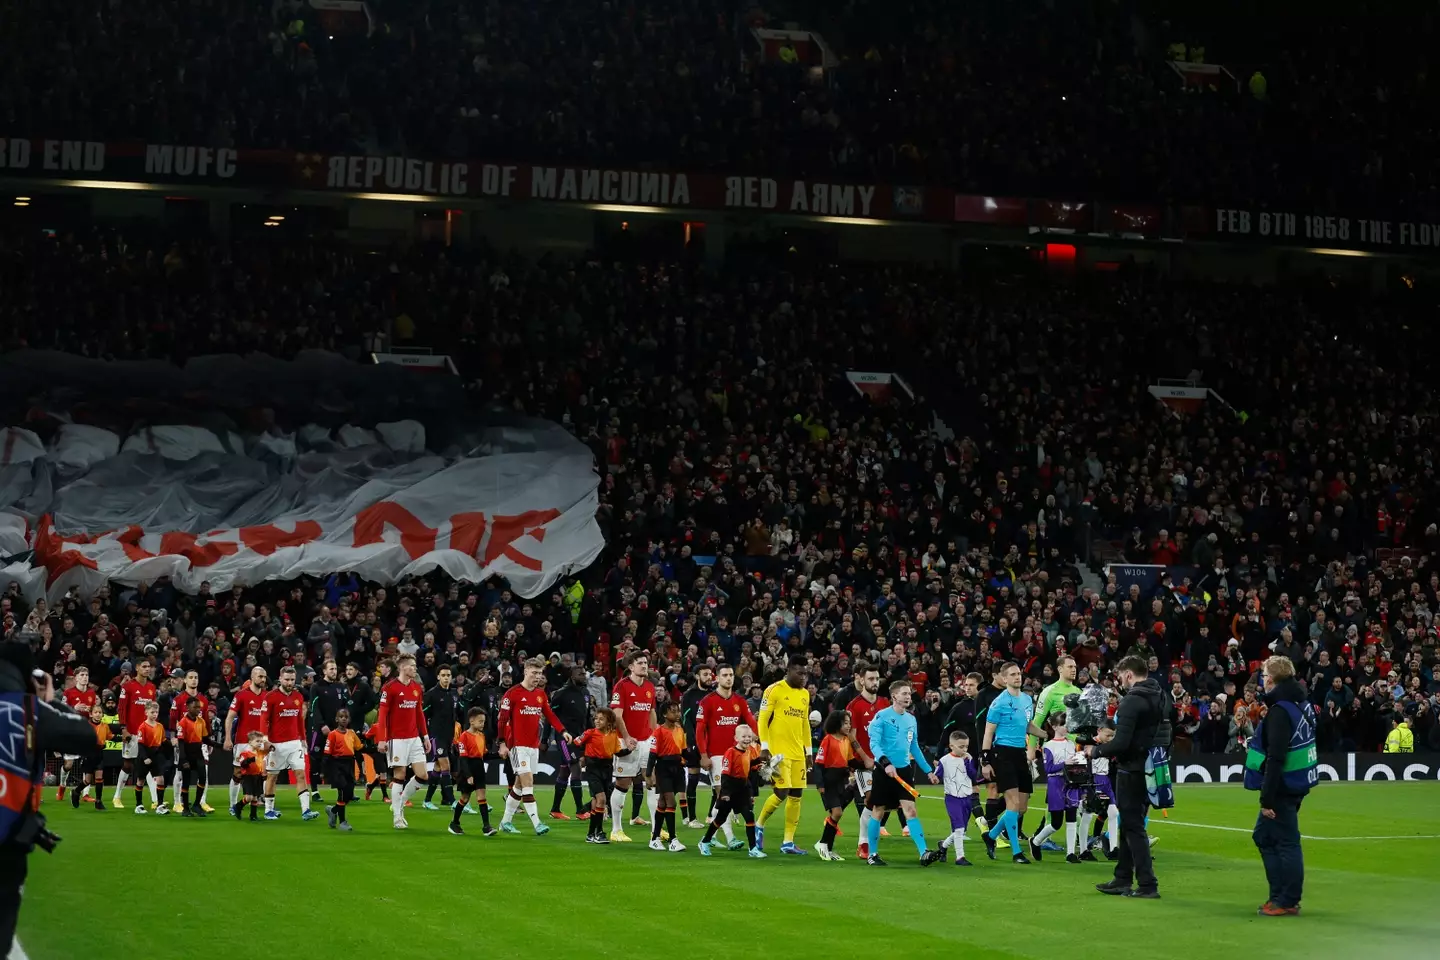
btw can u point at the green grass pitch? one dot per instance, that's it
(123, 885)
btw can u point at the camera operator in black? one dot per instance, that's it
(31, 713)
(1137, 723)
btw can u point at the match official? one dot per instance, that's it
(1136, 721)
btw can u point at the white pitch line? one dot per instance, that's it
(1212, 826)
(1303, 836)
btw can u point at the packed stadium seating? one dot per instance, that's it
(1025, 98)
(829, 522)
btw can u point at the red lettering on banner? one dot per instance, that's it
(466, 532)
(186, 545)
(506, 530)
(266, 539)
(129, 540)
(415, 537)
(50, 551)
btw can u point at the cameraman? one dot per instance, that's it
(1137, 724)
(29, 718)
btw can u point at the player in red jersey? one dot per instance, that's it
(634, 704)
(248, 713)
(720, 713)
(402, 736)
(81, 698)
(518, 730)
(862, 710)
(286, 716)
(134, 695)
(179, 707)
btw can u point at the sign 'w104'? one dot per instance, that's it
(1326, 230)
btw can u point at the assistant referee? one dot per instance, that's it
(1007, 756)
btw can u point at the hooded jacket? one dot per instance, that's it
(1136, 721)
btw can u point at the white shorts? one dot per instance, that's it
(240, 747)
(69, 757)
(289, 755)
(131, 750)
(405, 752)
(634, 765)
(863, 781)
(717, 769)
(525, 760)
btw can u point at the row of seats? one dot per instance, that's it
(1021, 98)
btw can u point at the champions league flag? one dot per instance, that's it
(1157, 778)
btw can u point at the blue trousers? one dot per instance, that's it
(1279, 843)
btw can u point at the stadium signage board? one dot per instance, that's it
(166, 164)
(92, 163)
(1325, 230)
(1340, 767)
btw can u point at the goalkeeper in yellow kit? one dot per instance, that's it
(785, 735)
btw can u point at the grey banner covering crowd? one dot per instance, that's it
(202, 472)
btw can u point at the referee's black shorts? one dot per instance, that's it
(885, 792)
(1012, 770)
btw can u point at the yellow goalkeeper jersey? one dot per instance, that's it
(785, 720)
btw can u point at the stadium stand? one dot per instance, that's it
(1133, 102)
(755, 501)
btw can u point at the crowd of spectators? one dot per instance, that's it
(120, 295)
(1024, 98)
(757, 506)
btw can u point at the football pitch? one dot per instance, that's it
(125, 885)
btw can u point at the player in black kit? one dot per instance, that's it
(572, 705)
(689, 705)
(442, 705)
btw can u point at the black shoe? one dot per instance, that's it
(100, 807)
(455, 829)
(1088, 857)
(187, 812)
(962, 862)
(1071, 858)
(1112, 854)
(236, 811)
(1114, 888)
(199, 814)
(599, 838)
(931, 856)
(989, 844)
(1143, 894)
(1035, 850)
(876, 862)
(1020, 858)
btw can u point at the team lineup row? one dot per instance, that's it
(866, 758)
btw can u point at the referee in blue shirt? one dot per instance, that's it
(1007, 756)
